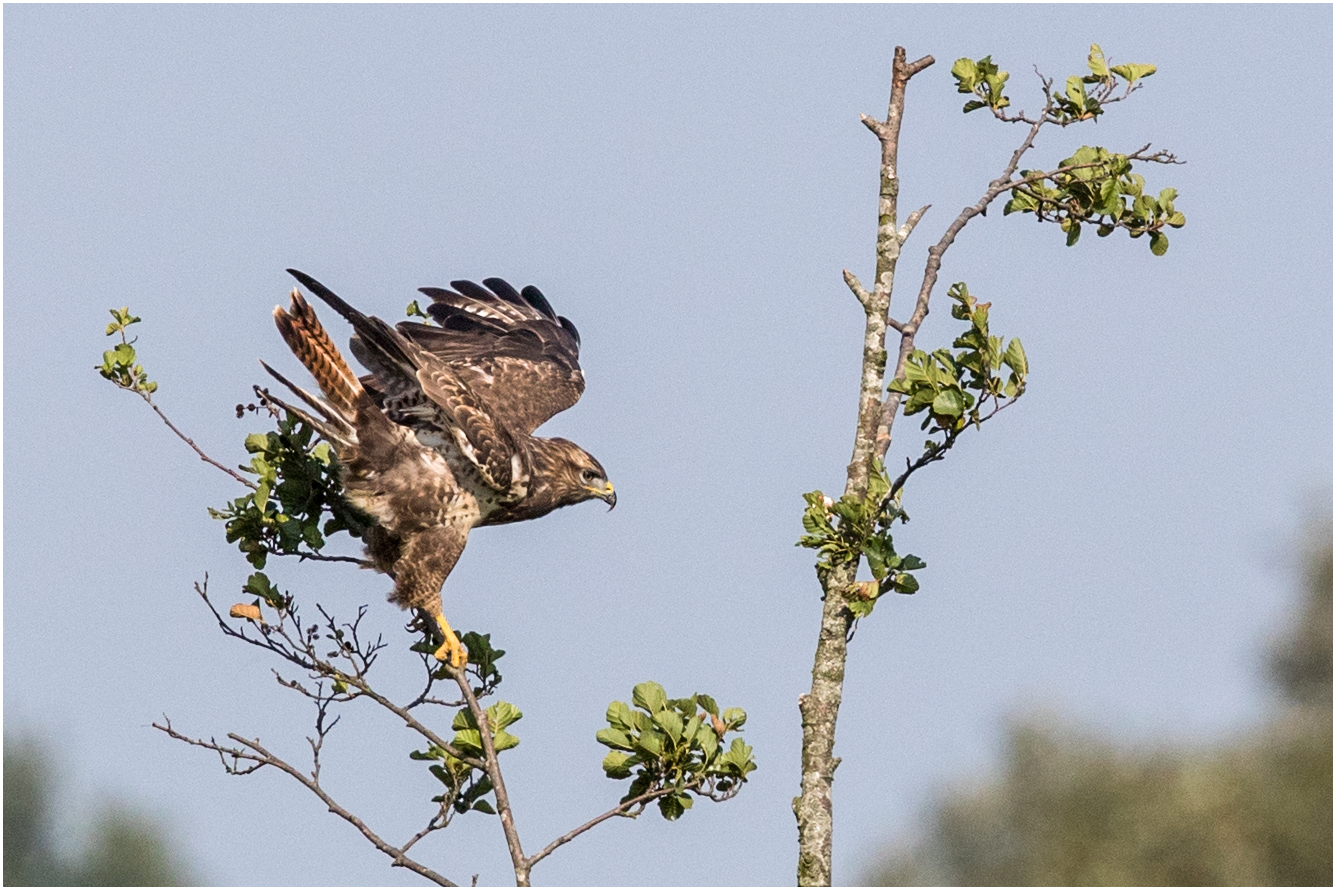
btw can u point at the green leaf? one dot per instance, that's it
(483, 806)
(258, 584)
(949, 402)
(503, 741)
(1015, 359)
(1099, 67)
(469, 741)
(692, 727)
(650, 696)
(1159, 243)
(905, 583)
(671, 807)
(615, 765)
(671, 723)
(639, 785)
(966, 75)
(503, 714)
(257, 443)
(619, 715)
(1076, 91)
(650, 742)
(734, 718)
(739, 752)
(1133, 73)
(708, 704)
(614, 738)
(432, 753)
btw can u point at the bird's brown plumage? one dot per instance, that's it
(437, 438)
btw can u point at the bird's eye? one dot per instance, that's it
(588, 476)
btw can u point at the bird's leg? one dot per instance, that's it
(452, 652)
(424, 563)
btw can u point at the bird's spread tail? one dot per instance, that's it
(311, 343)
(375, 344)
(347, 416)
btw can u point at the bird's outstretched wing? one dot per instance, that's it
(418, 389)
(507, 346)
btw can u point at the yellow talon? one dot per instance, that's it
(452, 652)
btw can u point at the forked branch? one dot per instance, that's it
(256, 756)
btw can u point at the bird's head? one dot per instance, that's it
(582, 477)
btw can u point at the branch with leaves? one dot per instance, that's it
(955, 391)
(293, 505)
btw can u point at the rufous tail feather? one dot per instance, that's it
(312, 345)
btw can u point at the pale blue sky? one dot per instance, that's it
(685, 183)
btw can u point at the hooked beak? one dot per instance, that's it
(607, 495)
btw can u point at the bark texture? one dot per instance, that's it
(820, 706)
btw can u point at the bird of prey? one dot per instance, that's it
(438, 437)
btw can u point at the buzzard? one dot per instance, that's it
(438, 438)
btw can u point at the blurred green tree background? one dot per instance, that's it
(124, 848)
(1070, 808)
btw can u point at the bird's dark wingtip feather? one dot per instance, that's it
(534, 297)
(566, 323)
(504, 290)
(334, 300)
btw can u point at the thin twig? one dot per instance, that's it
(440, 820)
(622, 809)
(321, 557)
(301, 652)
(937, 450)
(262, 757)
(191, 442)
(891, 406)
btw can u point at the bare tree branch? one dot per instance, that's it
(857, 287)
(251, 751)
(299, 649)
(1002, 183)
(629, 808)
(321, 557)
(191, 442)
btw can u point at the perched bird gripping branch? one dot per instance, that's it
(438, 438)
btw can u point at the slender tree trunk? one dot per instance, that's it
(820, 707)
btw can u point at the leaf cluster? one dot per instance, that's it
(1083, 98)
(467, 786)
(264, 591)
(1097, 187)
(1094, 186)
(118, 363)
(843, 531)
(297, 501)
(1077, 103)
(482, 660)
(955, 388)
(675, 747)
(983, 80)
